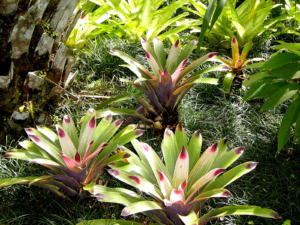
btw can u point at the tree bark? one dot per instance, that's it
(32, 36)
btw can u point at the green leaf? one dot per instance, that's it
(288, 71)
(280, 60)
(170, 150)
(190, 219)
(280, 96)
(150, 158)
(228, 158)
(289, 118)
(203, 165)
(254, 65)
(180, 136)
(231, 175)
(21, 154)
(201, 80)
(206, 20)
(217, 12)
(228, 81)
(108, 222)
(194, 149)
(146, 16)
(160, 51)
(114, 195)
(257, 87)
(271, 88)
(172, 60)
(238, 210)
(141, 206)
(122, 112)
(254, 78)
(19, 180)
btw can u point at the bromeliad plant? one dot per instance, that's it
(75, 161)
(131, 19)
(165, 86)
(245, 22)
(182, 184)
(236, 64)
(279, 81)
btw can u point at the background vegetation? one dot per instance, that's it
(273, 184)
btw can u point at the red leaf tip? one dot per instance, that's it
(103, 145)
(113, 51)
(218, 171)
(143, 40)
(251, 165)
(239, 150)
(67, 119)
(118, 122)
(77, 157)
(108, 118)
(168, 132)
(197, 134)
(182, 185)
(139, 132)
(126, 155)
(226, 194)
(91, 111)
(92, 123)
(34, 138)
(233, 40)
(99, 196)
(135, 179)
(125, 212)
(180, 128)
(28, 130)
(113, 172)
(214, 147)
(194, 42)
(61, 133)
(212, 54)
(225, 68)
(183, 153)
(145, 147)
(160, 175)
(147, 54)
(275, 215)
(176, 44)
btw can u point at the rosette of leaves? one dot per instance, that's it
(182, 184)
(74, 161)
(279, 81)
(236, 65)
(165, 86)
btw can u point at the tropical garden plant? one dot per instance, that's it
(244, 22)
(180, 186)
(279, 81)
(74, 161)
(165, 86)
(289, 19)
(236, 65)
(130, 20)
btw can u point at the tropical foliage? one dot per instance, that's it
(236, 65)
(182, 184)
(130, 20)
(244, 22)
(74, 161)
(165, 86)
(279, 81)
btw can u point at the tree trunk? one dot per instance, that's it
(32, 36)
